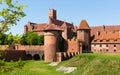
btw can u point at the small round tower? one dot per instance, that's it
(51, 33)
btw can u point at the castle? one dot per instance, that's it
(62, 40)
(104, 39)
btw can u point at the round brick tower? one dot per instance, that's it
(51, 33)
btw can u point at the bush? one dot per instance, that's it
(19, 64)
(32, 38)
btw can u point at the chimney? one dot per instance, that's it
(104, 27)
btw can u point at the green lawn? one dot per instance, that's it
(87, 64)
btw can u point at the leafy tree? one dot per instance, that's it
(16, 39)
(8, 39)
(23, 41)
(2, 38)
(10, 14)
(32, 38)
(41, 40)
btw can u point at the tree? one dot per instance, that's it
(10, 14)
(41, 40)
(2, 39)
(23, 41)
(32, 38)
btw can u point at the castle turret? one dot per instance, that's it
(51, 33)
(52, 14)
(83, 34)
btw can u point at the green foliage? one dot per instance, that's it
(41, 40)
(2, 38)
(94, 64)
(1, 53)
(8, 39)
(19, 64)
(10, 14)
(10, 66)
(32, 38)
(87, 64)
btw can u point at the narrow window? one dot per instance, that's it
(114, 45)
(100, 45)
(100, 50)
(115, 41)
(106, 45)
(94, 45)
(114, 50)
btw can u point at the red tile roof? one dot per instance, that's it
(83, 25)
(59, 22)
(107, 36)
(39, 27)
(107, 28)
(52, 27)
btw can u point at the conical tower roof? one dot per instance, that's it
(83, 25)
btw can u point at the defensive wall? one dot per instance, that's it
(74, 45)
(21, 47)
(60, 56)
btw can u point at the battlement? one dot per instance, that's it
(73, 45)
(29, 47)
(72, 40)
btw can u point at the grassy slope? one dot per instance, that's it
(88, 64)
(95, 64)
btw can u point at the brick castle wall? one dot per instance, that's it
(74, 45)
(29, 47)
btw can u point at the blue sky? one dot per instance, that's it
(96, 12)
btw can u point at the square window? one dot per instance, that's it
(95, 40)
(114, 50)
(106, 45)
(115, 41)
(106, 50)
(101, 40)
(107, 41)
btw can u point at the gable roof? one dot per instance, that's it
(104, 36)
(59, 23)
(52, 27)
(39, 27)
(107, 28)
(83, 25)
